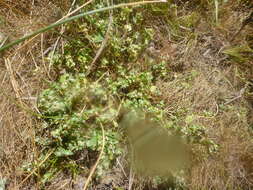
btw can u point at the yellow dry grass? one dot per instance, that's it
(215, 81)
(23, 69)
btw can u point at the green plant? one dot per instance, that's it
(77, 103)
(240, 54)
(77, 108)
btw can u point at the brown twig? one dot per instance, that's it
(246, 21)
(76, 10)
(99, 158)
(102, 47)
(12, 79)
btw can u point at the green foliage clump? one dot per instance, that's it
(129, 39)
(239, 54)
(75, 107)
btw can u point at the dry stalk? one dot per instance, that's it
(97, 162)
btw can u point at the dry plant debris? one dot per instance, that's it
(187, 65)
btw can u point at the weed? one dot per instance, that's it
(77, 104)
(240, 54)
(76, 108)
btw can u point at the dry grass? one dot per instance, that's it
(215, 82)
(22, 75)
(231, 167)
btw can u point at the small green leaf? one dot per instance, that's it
(63, 152)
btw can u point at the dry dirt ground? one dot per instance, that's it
(218, 80)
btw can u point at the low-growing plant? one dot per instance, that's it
(75, 109)
(240, 54)
(78, 103)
